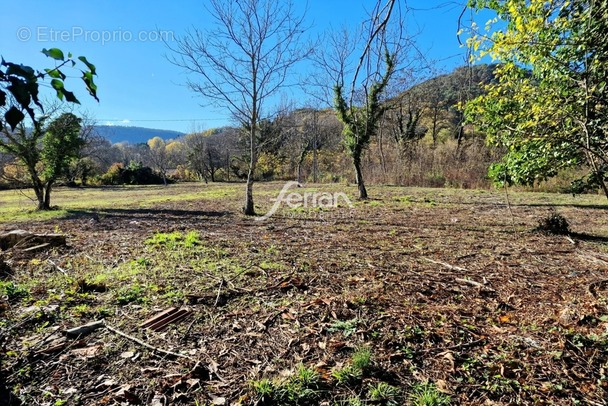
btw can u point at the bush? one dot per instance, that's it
(554, 223)
(134, 174)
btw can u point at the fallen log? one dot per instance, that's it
(24, 239)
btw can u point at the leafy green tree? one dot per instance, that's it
(46, 152)
(549, 106)
(50, 148)
(361, 122)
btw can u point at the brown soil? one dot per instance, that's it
(452, 291)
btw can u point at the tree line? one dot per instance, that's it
(303, 144)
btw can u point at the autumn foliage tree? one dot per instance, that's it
(549, 107)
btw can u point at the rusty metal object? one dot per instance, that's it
(171, 315)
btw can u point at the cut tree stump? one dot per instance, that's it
(24, 240)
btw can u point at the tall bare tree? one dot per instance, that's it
(242, 61)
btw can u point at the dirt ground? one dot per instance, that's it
(453, 296)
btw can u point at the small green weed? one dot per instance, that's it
(427, 394)
(385, 394)
(347, 375)
(300, 388)
(307, 377)
(554, 223)
(165, 239)
(81, 310)
(264, 390)
(354, 401)
(131, 294)
(13, 291)
(347, 327)
(192, 239)
(354, 372)
(362, 358)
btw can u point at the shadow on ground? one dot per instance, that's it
(126, 213)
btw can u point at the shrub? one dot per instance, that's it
(554, 223)
(134, 174)
(113, 175)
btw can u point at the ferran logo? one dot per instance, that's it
(306, 200)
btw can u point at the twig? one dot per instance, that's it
(23, 241)
(219, 292)
(474, 283)
(84, 329)
(593, 287)
(456, 268)
(185, 337)
(454, 347)
(591, 257)
(145, 344)
(509, 203)
(381, 27)
(58, 267)
(271, 317)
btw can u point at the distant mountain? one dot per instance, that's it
(133, 135)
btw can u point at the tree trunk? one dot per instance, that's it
(40, 197)
(382, 159)
(604, 187)
(299, 171)
(299, 167)
(46, 204)
(359, 178)
(314, 162)
(228, 166)
(315, 145)
(435, 117)
(37, 184)
(248, 208)
(598, 174)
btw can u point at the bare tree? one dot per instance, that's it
(242, 61)
(306, 132)
(159, 156)
(206, 152)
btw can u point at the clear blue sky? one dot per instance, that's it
(137, 85)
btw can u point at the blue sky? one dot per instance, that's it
(137, 85)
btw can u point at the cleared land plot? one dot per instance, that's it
(417, 290)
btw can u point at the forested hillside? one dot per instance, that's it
(422, 140)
